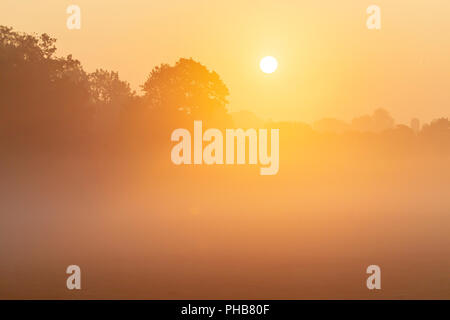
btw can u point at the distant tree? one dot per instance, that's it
(379, 121)
(437, 127)
(436, 136)
(110, 96)
(106, 88)
(382, 120)
(188, 89)
(363, 123)
(401, 131)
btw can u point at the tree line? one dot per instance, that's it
(46, 99)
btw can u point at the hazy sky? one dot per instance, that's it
(330, 64)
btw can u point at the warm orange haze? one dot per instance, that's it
(330, 64)
(120, 149)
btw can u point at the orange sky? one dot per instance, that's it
(330, 64)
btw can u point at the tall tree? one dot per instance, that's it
(188, 88)
(40, 95)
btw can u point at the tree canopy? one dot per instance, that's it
(189, 88)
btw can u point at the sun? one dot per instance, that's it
(268, 64)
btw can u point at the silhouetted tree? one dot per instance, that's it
(110, 97)
(437, 127)
(363, 123)
(186, 89)
(41, 96)
(380, 121)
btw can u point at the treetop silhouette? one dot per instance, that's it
(189, 88)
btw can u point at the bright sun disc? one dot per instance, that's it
(268, 64)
